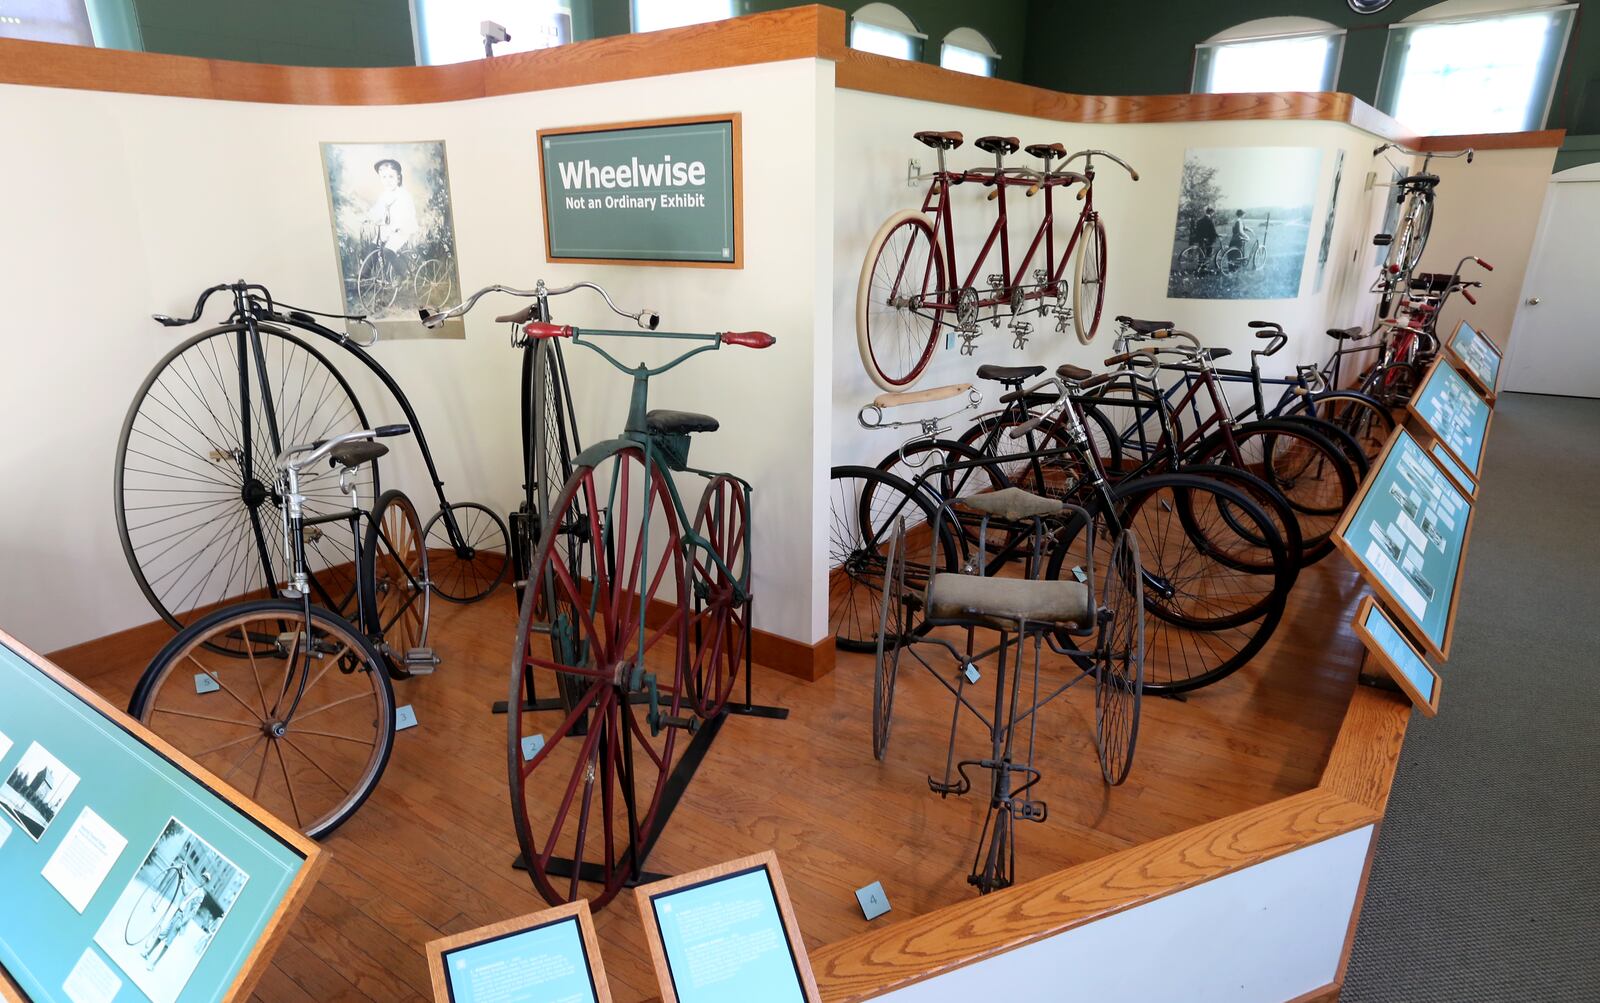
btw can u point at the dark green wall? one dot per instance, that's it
(291, 32)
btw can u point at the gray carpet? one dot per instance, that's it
(1486, 885)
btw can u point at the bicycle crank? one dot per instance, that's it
(640, 681)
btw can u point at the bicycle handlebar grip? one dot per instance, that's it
(748, 339)
(385, 431)
(1259, 324)
(652, 320)
(1117, 360)
(1484, 264)
(1023, 429)
(1134, 173)
(1470, 298)
(542, 329)
(165, 321)
(1096, 380)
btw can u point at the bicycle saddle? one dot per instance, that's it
(664, 422)
(939, 140)
(1001, 602)
(1144, 326)
(1039, 398)
(1046, 151)
(997, 144)
(1346, 333)
(1073, 373)
(1421, 180)
(354, 454)
(520, 317)
(1008, 374)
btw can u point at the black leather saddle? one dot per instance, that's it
(1008, 374)
(662, 422)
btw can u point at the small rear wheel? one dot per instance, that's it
(469, 566)
(395, 589)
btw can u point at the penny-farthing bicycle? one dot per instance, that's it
(641, 615)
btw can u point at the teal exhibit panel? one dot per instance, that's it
(1406, 531)
(545, 957)
(130, 874)
(727, 935)
(1479, 355)
(662, 192)
(1454, 413)
(1407, 666)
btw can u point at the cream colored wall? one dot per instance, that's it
(1489, 208)
(874, 143)
(119, 206)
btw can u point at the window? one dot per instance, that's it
(966, 51)
(654, 15)
(1272, 54)
(1484, 74)
(63, 21)
(881, 28)
(448, 31)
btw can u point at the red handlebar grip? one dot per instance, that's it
(1470, 298)
(749, 339)
(1484, 264)
(540, 329)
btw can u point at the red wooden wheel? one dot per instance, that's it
(717, 634)
(587, 777)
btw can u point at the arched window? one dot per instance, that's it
(1270, 54)
(882, 28)
(1448, 70)
(967, 51)
(654, 15)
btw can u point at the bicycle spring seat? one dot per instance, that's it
(997, 144)
(1144, 326)
(1008, 374)
(354, 454)
(1346, 333)
(939, 140)
(1073, 374)
(520, 317)
(663, 422)
(1047, 151)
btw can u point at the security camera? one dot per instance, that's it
(493, 32)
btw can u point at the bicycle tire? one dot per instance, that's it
(467, 574)
(892, 635)
(395, 589)
(719, 636)
(1360, 415)
(180, 461)
(166, 694)
(1064, 475)
(864, 502)
(950, 486)
(166, 893)
(1091, 274)
(894, 359)
(1419, 238)
(1119, 662)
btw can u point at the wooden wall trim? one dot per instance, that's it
(1353, 792)
(1539, 139)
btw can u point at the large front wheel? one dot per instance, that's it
(587, 774)
(898, 301)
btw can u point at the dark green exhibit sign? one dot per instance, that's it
(665, 192)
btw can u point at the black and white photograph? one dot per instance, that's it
(1326, 247)
(394, 232)
(35, 791)
(166, 918)
(1244, 222)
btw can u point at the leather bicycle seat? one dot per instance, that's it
(1008, 374)
(1345, 333)
(1144, 326)
(998, 144)
(938, 140)
(1217, 353)
(663, 422)
(520, 317)
(354, 454)
(1047, 151)
(1421, 180)
(1039, 398)
(1073, 373)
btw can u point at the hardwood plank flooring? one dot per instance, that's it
(429, 853)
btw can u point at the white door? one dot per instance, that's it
(1554, 347)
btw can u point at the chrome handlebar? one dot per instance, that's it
(1088, 156)
(647, 319)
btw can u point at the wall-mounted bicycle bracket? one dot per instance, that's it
(914, 176)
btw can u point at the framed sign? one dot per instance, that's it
(727, 934)
(545, 956)
(1453, 413)
(1479, 356)
(1390, 647)
(1406, 532)
(1464, 481)
(131, 874)
(662, 192)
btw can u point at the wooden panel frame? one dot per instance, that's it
(767, 860)
(1488, 393)
(738, 187)
(1428, 705)
(1474, 471)
(1439, 651)
(299, 889)
(578, 910)
(1468, 486)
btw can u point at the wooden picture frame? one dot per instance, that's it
(1474, 471)
(277, 925)
(1428, 705)
(1488, 393)
(1447, 461)
(1441, 650)
(767, 861)
(738, 188)
(573, 911)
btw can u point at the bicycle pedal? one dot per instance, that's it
(957, 789)
(689, 724)
(995, 281)
(1029, 811)
(1040, 276)
(421, 661)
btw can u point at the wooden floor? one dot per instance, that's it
(429, 854)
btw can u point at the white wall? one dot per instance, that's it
(873, 136)
(1267, 933)
(122, 205)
